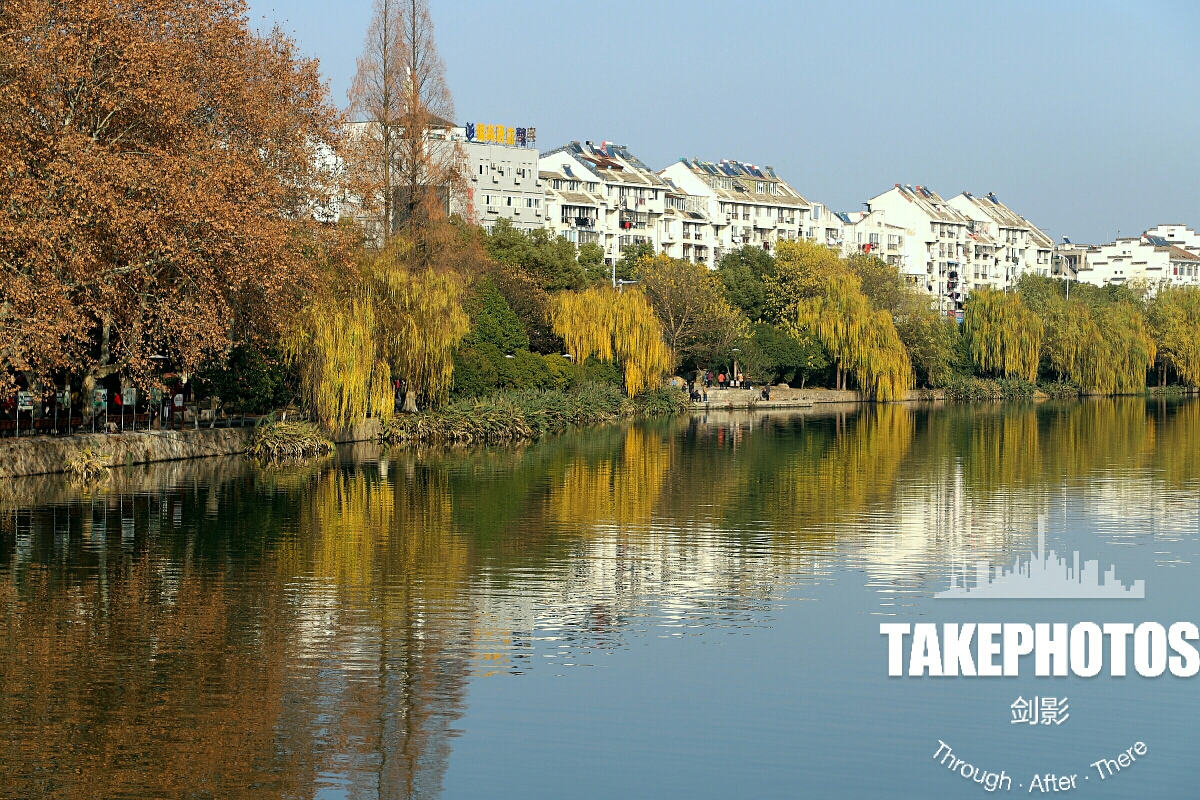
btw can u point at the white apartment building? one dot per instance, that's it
(825, 226)
(868, 232)
(575, 208)
(1134, 261)
(686, 230)
(743, 204)
(1177, 235)
(634, 197)
(1013, 245)
(934, 243)
(502, 181)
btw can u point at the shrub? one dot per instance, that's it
(282, 440)
(86, 464)
(514, 415)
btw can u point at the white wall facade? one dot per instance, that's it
(1139, 263)
(633, 197)
(744, 204)
(502, 181)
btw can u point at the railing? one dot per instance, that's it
(142, 422)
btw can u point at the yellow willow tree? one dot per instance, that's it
(1127, 350)
(1174, 321)
(1103, 348)
(1005, 336)
(608, 324)
(386, 321)
(862, 340)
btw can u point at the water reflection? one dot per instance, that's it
(213, 628)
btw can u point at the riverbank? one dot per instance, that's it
(502, 418)
(520, 415)
(40, 455)
(781, 397)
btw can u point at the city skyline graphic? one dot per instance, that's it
(1043, 575)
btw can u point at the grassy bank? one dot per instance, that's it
(513, 416)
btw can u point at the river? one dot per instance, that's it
(686, 607)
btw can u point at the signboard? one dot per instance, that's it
(156, 396)
(129, 397)
(501, 134)
(63, 399)
(99, 398)
(24, 401)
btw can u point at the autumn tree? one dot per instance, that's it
(802, 271)
(609, 324)
(1174, 320)
(862, 340)
(388, 320)
(163, 183)
(1004, 335)
(401, 165)
(699, 324)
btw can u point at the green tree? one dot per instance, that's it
(492, 320)
(931, 340)
(743, 272)
(773, 355)
(627, 264)
(882, 283)
(529, 301)
(591, 261)
(549, 260)
(251, 378)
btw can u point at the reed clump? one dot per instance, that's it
(277, 441)
(86, 464)
(529, 414)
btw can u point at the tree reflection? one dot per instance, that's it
(221, 629)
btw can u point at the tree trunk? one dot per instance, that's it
(410, 402)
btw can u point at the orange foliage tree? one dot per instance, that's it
(163, 181)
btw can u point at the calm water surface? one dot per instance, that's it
(682, 608)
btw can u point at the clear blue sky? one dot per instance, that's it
(1081, 116)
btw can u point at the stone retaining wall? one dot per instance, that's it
(40, 455)
(796, 398)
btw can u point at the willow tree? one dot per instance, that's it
(1127, 350)
(862, 340)
(608, 324)
(1005, 336)
(386, 321)
(1174, 322)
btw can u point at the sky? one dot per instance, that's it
(1082, 117)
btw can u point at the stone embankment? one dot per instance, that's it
(794, 398)
(40, 455)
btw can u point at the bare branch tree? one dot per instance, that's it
(405, 167)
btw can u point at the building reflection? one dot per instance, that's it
(311, 630)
